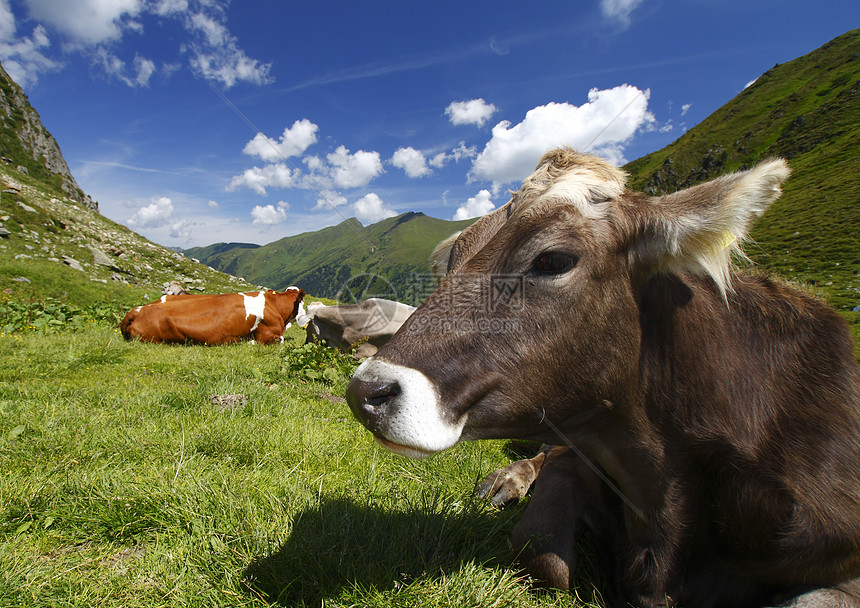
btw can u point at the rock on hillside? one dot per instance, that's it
(28, 147)
(53, 240)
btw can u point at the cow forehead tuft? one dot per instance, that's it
(566, 176)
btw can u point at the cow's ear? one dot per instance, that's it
(441, 256)
(698, 229)
(472, 239)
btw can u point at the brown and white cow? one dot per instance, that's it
(709, 420)
(372, 321)
(261, 316)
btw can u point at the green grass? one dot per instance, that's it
(123, 485)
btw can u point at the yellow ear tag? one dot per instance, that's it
(728, 239)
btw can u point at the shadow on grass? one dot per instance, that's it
(344, 544)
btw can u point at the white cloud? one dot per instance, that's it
(7, 21)
(23, 59)
(258, 179)
(294, 141)
(145, 69)
(472, 112)
(457, 154)
(217, 55)
(157, 213)
(270, 214)
(139, 76)
(229, 66)
(619, 10)
(353, 170)
(340, 169)
(213, 204)
(412, 161)
(314, 163)
(182, 229)
(86, 22)
(685, 108)
(370, 209)
(170, 7)
(329, 199)
(89, 25)
(478, 205)
(215, 33)
(601, 126)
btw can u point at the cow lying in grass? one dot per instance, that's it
(709, 421)
(368, 324)
(260, 316)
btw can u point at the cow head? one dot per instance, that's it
(535, 328)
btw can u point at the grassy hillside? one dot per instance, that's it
(56, 249)
(807, 112)
(340, 260)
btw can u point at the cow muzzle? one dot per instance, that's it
(401, 407)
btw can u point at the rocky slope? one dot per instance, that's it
(54, 246)
(27, 147)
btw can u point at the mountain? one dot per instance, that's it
(28, 147)
(55, 245)
(807, 111)
(347, 262)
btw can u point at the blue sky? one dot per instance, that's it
(201, 121)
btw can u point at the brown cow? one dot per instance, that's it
(710, 420)
(261, 316)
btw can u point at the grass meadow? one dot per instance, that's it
(132, 475)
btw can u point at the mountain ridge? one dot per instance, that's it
(804, 110)
(342, 258)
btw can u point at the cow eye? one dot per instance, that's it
(552, 263)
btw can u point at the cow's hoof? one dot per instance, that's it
(507, 485)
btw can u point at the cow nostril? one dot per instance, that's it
(380, 394)
(368, 400)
